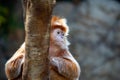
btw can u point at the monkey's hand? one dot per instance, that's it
(65, 67)
(13, 67)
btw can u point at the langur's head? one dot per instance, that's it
(59, 31)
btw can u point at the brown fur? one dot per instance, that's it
(54, 26)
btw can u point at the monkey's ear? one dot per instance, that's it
(61, 23)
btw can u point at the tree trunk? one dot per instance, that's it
(37, 27)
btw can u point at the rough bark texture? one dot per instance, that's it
(37, 26)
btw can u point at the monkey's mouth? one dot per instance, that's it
(61, 44)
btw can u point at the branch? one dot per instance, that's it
(37, 26)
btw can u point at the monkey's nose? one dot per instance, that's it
(62, 37)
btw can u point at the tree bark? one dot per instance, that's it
(37, 16)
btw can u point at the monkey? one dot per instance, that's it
(62, 65)
(13, 67)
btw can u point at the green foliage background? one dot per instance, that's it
(8, 19)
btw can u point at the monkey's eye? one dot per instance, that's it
(58, 32)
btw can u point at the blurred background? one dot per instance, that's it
(94, 35)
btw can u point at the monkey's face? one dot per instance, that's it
(58, 37)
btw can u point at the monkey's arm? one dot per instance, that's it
(66, 67)
(14, 64)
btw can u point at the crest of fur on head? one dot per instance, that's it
(61, 23)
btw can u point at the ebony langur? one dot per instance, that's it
(63, 66)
